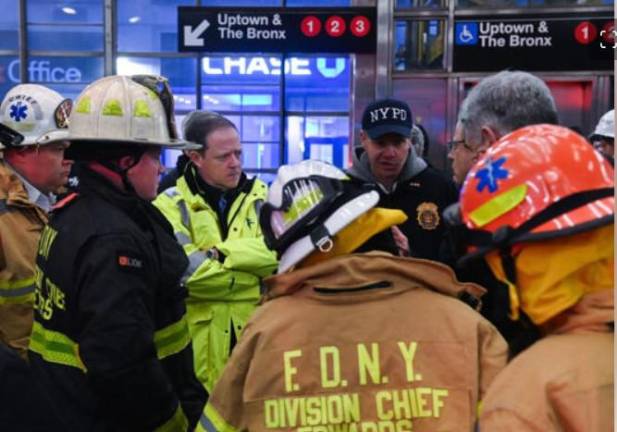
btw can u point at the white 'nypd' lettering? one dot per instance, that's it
(388, 113)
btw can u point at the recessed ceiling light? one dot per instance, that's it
(69, 10)
(134, 19)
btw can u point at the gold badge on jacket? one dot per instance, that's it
(428, 215)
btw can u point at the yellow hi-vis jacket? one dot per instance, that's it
(222, 296)
(21, 224)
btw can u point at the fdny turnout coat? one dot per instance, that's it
(21, 224)
(563, 382)
(364, 342)
(110, 345)
(223, 293)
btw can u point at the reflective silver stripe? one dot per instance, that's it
(171, 192)
(195, 260)
(17, 292)
(184, 213)
(206, 424)
(182, 238)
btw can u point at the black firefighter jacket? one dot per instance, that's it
(110, 345)
(422, 193)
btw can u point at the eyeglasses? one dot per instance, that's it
(455, 143)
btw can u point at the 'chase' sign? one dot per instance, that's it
(293, 30)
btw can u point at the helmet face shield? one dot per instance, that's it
(9, 137)
(308, 204)
(303, 200)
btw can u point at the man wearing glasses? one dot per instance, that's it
(496, 106)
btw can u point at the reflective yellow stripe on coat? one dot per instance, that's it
(16, 291)
(211, 421)
(55, 347)
(172, 339)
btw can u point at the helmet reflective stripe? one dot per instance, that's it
(32, 110)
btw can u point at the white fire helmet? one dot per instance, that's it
(308, 203)
(606, 126)
(134, 110)
(32, 114)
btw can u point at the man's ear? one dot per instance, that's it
(195, 156)
(489, 136)
(126, 161)
(363, 138)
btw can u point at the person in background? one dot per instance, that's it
(33, 121)
(169, 180)
(347, 340)
(420, 141)
(214, 209)
(539, 207)
(110, 346)
(603, 136)
(497, 105)
(404, 180)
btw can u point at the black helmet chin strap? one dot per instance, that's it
(123, 172)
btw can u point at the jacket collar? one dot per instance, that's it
(210, 194)
(361, 168)
(593, 313)
(348, 272)
(16, 190)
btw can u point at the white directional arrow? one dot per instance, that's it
(192, 37)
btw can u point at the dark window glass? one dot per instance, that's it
(65, 38)
(317, 83)
(69, 12)
(419, 44)
(9, 24)
(427, 99)
(320, 3)
(70, 26)
(530, 3)
(179, 71)
(149, 25)
(324, 138)
(241, 3)
(409, 4)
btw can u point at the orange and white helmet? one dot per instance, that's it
(538, 182)
(125, 110)
(32, 114)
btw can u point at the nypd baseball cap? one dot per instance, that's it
(387, 116)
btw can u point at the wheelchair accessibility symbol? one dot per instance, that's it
(466, 33)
